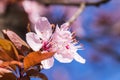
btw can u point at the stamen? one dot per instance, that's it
(53, 28)
(46, 45)
(67, 47)
(73, 33)
(74, 40)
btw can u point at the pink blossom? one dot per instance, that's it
(59, 41)
(33, 9)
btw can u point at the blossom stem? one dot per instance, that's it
(72, 2)
(78, 12)
(28, 27)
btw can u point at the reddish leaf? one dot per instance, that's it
(7, 50)
(17, 41)
(8, 76)
(34, 58)
(8, 63)
(4, 56)
(34, 73)
(25, 78)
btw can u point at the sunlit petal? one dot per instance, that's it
(48, 63)
(34, 41)
(65, 26)
(43, 27)
(78, 58)
(63, 59)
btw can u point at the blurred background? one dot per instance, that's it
(97, 29)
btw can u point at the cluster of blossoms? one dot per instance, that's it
(58, 40)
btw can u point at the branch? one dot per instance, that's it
(81, 5)
(71, 2)
(78, 12)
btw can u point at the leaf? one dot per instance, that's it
(4, 56)
(7, 50)
(34, 58)
(17, 41)
(8, 63)
(34, 73)
(8, 76)
(25, 78)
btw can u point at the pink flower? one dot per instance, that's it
(33, 9)
(59, 41)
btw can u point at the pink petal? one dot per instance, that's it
(65, 26)
(62, 35)
(63, 59)
(57, 30)
(48, 63)
(34, 41)
(43, 27)
(33, 11)
(78, 58)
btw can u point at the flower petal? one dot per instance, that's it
(43, 27)
(63, 59)
(78, 58)
(47, 63)
(34, 41)
(62, 36)
(65, 26)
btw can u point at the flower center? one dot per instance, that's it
(67, 47)
(46, 46)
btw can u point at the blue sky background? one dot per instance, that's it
(97, 28)
(100, 65)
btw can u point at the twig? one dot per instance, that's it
(78, 12)
(71, 2)
(28, 27)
